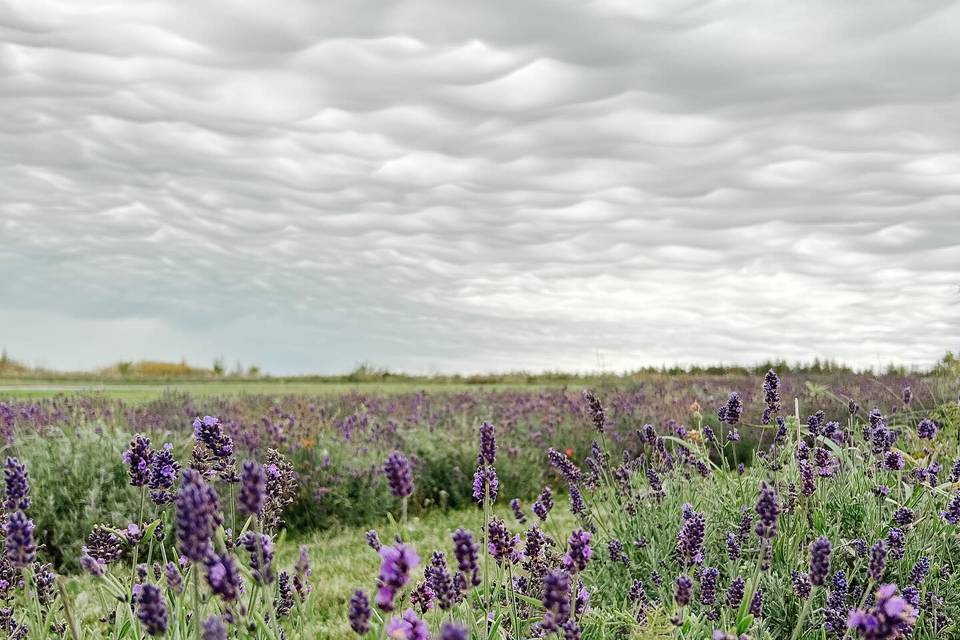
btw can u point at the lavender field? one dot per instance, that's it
(671, 506)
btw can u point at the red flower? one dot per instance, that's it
(569, 452)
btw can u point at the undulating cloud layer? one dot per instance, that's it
(462, 186)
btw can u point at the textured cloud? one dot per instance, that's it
(440, 185)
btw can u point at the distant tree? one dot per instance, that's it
(218, 367)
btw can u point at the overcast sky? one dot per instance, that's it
(482, 185)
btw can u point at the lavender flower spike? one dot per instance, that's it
(197, 516)
(253, 485)
(399, 477)
(17, 486)
(19, 545)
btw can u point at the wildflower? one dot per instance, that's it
(17, 486)
(359, 612)
(284, 602)
(732, 410)
(485, 484)
(579, 551)
(690, 538)
(595, 410)
(518, 511)
(907, 395)
(771, 395)
(888, 618)
(407, 627)
(768, 509)
(681, 591)
(500, 542)
(373, 540)
(399, 477)
(138, 458)
(819, 561)
(801, 584)
(952, 513)
(453, 631)
(151, 609)
(903, 516)
(733, 547)
(465, 549)
(708, 585)
(260, 548)
(562, 464)
(556, 600)
(173, 577)
(920, 570)
(441, 582)
(213, 629)
(396, 564)
(163, 474)
(756, 603)
(896, 542)
(577, 505)
(93, 566)
(878, 561)
(223, 576)
(197, 516)
(927, 429)
(735, 592)
(488, 444)
(543, 504)
(253, 484)
(19, 546)
(893, 460)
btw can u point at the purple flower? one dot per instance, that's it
(17, 486)
(93, 566)
(732, 410)
(595, 410)
(690, 538)
(500, 541)
(488, 445)
(952, 513)
(735, 592)
(19, 546)
(453, 631)
(577, 505)
(373, 540)
(878, 561)
(562, 464)
(253, 484)
(223, 576)
(197, 516)
(556, 600)
(756, 603)
(138, 458)
(733, 547)
(889, 617)
(907, 395)
(543, 504)
(465, 549)
(422, 597)
(896, 542)
(819, 561)
(927, 429)
(441, 582)
(579, 551)
(769, 510)
(399, 477)
(359, 612)
(485, 484)
(408, 627)
(920, 570)
(151, 609)
(163, 473)
(395, 566)
(682, 590)
(213, 629)
(518, 513)
(260, 548)
(893, 460)
(903, 516)
(173, 577)
(708, 585)
(801, 584)
(771, 395)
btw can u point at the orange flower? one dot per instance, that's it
(307, 443)
(693, 436)
(694, 407)
(569, 452)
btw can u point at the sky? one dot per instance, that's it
(464, 186)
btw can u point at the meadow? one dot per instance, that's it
(816, 505)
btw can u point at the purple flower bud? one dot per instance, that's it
(223, 576)
(373, 540)
(173, 577)
(260, 548)
(819, 561)
(17, 486)
(19, 546)
(801, 584)
(563, 464)
(485, 484)
(213, 629)
(735, 592)
(595, 411)
(151, 609)
(501, 542)
(756, 603)
(466, 550)
(544, 504)
(732, 410)
(952, 513)
(518, 513)
(138, 458)
(878, 561)
(768, 509)
(771, 395)
(927, 429)
(886, 619)
(396, 564)
(197, 516)
(93, 566)
(163, 473)
(359, 613)
(408, 627)
(682, 590)
(253, 484)
(579, 551)
(556, 600)
(453, 631)
(708, 585)
(488, 445)
(399, 477)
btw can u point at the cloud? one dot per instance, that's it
(467, 186)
